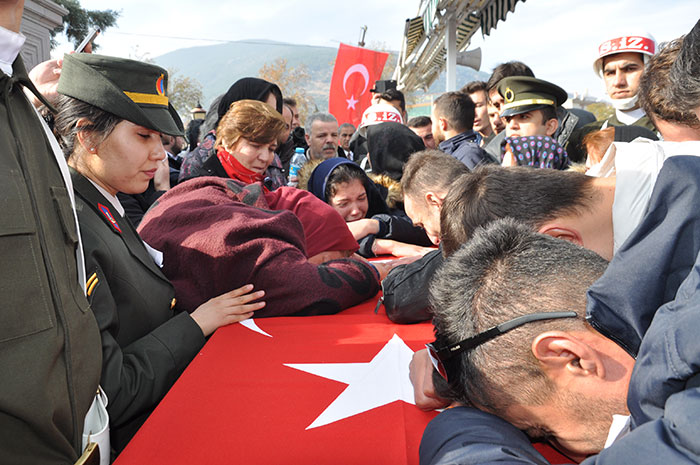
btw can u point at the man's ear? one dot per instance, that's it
(443, 124)
(308, 138)
(561, 232)
(433, 200)
(551, 126)
(561, 353)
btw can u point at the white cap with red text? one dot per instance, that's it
(379, 113)
(643, 43)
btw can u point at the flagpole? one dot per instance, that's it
(363, 31)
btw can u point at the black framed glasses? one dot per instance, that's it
(440, 355)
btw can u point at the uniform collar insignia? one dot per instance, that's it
(107, 214)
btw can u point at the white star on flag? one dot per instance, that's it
(351, 102)
(379, 382)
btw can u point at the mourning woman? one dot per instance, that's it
(380, 230)
(202, 160)
(246, 141)
(111, 114)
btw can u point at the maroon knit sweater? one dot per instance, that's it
(217, 235)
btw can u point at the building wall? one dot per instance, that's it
(39, 18)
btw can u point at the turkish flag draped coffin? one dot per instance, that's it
(356, 70)
(322, 390)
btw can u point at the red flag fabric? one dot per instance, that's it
(321, 390)
(356, 70)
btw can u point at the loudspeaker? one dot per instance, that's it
(471, 58)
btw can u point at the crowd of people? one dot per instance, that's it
(555, 254)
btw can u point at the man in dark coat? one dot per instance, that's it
(453, 117)
(651, 315)
(50, 353)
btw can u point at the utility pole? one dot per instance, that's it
(363, 31)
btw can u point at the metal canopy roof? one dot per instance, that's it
(423, 50)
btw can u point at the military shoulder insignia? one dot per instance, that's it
(107, 214)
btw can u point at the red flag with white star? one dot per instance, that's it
(356, 70)
(308, 390)
(316, 390)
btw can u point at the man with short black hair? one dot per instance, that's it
(423, 127)
(538, 332)
(685, 75)
(476, 90)
(452, 117)
(292, 104)
(426, 179)
(345, 133)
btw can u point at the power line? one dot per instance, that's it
(225, 41)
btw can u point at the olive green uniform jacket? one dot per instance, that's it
(49, 342)
(145, 343)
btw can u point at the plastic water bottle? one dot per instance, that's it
(295, 165)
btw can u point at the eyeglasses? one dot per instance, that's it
(441, 355)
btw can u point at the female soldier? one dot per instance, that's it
(111, 113)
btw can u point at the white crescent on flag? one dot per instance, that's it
(253, 326)
(356, 68)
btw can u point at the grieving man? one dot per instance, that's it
(536, 331)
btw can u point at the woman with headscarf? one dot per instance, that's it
(343, 185)
(389, 146)
(248, 88)
(111, 113)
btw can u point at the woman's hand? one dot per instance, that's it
(228, 308)
(161, 180)
(363, 227)
(398, 249)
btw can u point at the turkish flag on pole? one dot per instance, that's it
(356, 70)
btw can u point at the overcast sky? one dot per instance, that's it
(556, 38)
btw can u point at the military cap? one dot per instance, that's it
(523, 93)
(129, 89)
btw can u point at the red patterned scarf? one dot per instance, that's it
(235, 169)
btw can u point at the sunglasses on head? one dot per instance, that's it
(440, 355)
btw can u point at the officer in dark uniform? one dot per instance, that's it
(49, 342)
(529, 107)
(111, 114)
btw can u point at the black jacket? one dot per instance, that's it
(145, 343)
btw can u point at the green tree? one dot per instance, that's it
(291, 82)
(78, 22)
(184, 92)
